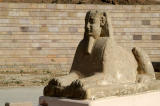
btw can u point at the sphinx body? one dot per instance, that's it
(112, 62)
(100, 62)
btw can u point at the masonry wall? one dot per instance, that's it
(45, 36)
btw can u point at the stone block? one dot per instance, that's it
(29, 29)
(4, 13)
(51, 6)
(13, 13)
(123, 37)
(53, 29)
(24, 21)
(133, 14)
(2, 21)
(70, 6)
(43, 29)
(24, 29)
(105, 7)
(60, 14)
(9, 29)
(23, 13)
(38, 13)
(73, 29)
(155, 37)
(81, 30)
(146, 37)
(155, 22)
(136, 30)
(145, 22)
(147, 99)
(88, 6)
(36, 5)
(19, 104)
(4, 5)
(137, 37)
(23, 5)
(80, 14)
(61, 6)
(155, 8)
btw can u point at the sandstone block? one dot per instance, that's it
(12, 13)
(73, 29)
(51, 6)
(19, 104)
(23, 5)
(34, 5)
(146, 37)
(145, 22)
(5, 5)
(70, 6)
(147, 99)
(2, 21)
(137, 37)
(53, 29)
(24, 21)
(88, 6)
(155, 37)
(61, 6)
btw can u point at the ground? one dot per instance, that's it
(22, 79)
(20, 95)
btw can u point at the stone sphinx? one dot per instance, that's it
(101, 67)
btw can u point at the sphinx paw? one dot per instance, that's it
(75, 90)
(54, 82)
(144, 78)
(53, 89)
(77, 84)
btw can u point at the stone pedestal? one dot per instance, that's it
(19, 104)
(143, 99)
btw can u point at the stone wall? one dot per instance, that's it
(45, 36)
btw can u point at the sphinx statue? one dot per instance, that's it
(100, 64)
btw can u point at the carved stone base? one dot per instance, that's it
(142, 99)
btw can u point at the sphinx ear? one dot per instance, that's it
(103, 19)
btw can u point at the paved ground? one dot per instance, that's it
(20, 95)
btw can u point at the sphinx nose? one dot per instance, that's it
(88, 26)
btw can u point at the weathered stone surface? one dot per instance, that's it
(99, 61)
(27, 22)
(145, 68)
(145, 22)
(137, 37)
(155, 37)
(19, 104)
(147, 99)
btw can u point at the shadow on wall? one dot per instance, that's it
(156, 66)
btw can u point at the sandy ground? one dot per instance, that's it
(23, 79)
(26, 94)
(23, 86)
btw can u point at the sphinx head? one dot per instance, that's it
(96, 25)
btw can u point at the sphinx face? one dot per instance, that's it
(93, 29)
(93, 26)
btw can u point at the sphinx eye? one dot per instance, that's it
(92, 21)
